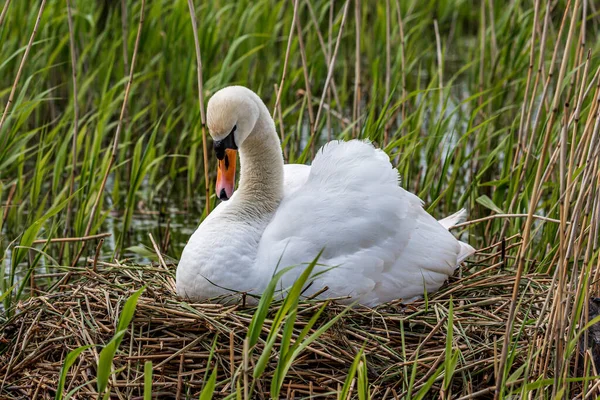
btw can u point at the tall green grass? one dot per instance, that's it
(497, 112)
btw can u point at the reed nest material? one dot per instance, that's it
(177, 337)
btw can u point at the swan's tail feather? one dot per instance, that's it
(466, 250)
(454, 219)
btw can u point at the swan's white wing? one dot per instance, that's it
(385, 246)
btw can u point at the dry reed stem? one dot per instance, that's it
(125, 35)
(11, 96)
(533, 204)
(494, 216)
(75, 119)
(562, 228)
(4, 11)
(287, 56)
(402, 58)
(201, 102)
(481, 50)
(440, 61)
(546, 87)
(357, 93)
(527, 151)
(279, 114)
(575, 121)
(329, 54)
(327, 50)
(569, 317)
(521, 133)
(308, 93)
(388, 67)
(494, 42)
(388, 50)
(115, 144)
(540, 64)
(11, 194)
(573, 246)
(583, 148)
(332, 62)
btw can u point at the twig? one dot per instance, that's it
(97, 255)
(73, 239)
(163, 263)
(494, 216)
(157, 251)
(318, 293)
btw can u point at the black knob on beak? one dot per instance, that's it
(228, 143)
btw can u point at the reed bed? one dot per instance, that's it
(489, 105)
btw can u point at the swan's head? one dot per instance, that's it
(231, 116)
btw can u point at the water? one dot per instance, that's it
(170, 225)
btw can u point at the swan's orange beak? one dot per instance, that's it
(226, 175)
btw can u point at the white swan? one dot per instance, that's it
(383, 243)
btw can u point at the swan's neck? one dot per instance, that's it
(261, 177)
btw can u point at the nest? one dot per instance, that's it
(399, 340)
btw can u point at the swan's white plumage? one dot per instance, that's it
(381, 242)
(384, 244)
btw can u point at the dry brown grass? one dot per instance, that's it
(177, 337)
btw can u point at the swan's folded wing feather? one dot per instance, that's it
(294, 176)
(342, 163)
(381, 242)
